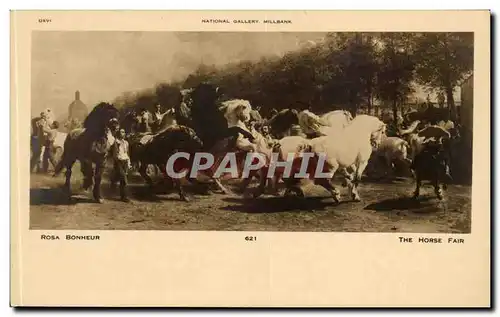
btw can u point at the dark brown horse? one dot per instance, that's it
(90, 145)
(281, 122)
(160, 147)
(432, 164)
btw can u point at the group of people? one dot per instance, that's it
(44, 130)
(144, 121)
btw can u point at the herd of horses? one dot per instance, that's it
(345, 141)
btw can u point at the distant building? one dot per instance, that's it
(77, 109)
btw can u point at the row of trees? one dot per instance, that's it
(346, 70)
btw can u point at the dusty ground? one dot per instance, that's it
(386, 207)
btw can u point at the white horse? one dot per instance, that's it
(394, 149)
(237, 114)
(58, 144)
(352, 147)
(311, 123)
(337, 118)
(328, 124)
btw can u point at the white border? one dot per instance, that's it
(177, 5)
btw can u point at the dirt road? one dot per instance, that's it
(385, 207)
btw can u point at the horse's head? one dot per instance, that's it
(103, 116)
(236, 110)
(205, 94)
(243, 110)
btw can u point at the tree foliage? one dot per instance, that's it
(444, 60)
(346, 70)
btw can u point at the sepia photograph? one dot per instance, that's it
(250, 159)
(251, 131)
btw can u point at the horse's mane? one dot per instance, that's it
(99, 116)
(235, 102)
(315, 118)
(208, 122)
(285, 113)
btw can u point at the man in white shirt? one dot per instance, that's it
(48, 154)
(121, 159)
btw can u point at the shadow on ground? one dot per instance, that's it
(421, 205)
(54, 196)
(278, 204)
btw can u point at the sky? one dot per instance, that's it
(102, 65)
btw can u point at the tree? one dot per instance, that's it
(444, 60)
(396, 68)
(168, 96)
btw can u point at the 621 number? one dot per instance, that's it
(251, 238)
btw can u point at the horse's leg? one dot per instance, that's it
(166, 180)
(293, 185)
(224, 190)
(357, 179)
(418, 182)
(272, 185)
(245, 183)
(67, 183)
(327, 184)
(99, 168)
(143, 170)
(178, 185)
(262, 183)
(437, 189)
(87, 171)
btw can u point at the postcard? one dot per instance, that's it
(250, 158)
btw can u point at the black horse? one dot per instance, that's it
(90, 145)
(432, 164)
(281, 122)
(160, 148)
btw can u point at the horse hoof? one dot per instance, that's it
(185, 198)
(99, 200)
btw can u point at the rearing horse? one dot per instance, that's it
(90, 145)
